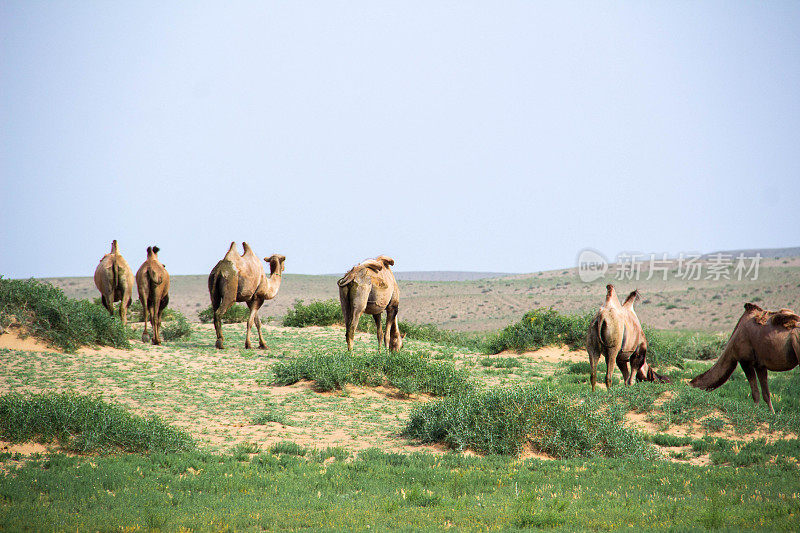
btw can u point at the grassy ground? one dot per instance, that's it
(276, 455)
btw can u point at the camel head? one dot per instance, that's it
(396, 342)
(276, 263)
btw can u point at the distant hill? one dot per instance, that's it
(447, 275)
(770, 253)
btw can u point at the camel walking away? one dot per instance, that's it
(113, 277)
(761, 341)
(242, 279)
(152, 281)
(371, 288)
(616, 334)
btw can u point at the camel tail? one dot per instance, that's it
(717, 374)
(153, 280)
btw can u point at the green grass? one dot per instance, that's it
(540, 328)
(380, 491)
(504, 420)
(177, 328)
(409, 371)
(45, 312)
(237, 313)
(84, 424)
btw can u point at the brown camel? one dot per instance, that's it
(762, 340)
(371, 288)
(114, 279)
(617, 334)
(242, 279)
(152, 280)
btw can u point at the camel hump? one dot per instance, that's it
(149, 251)
(231, 252)
(347, 278)
(632, 298)
(786, 318)
(750, 307)
(114, 248)
(609, 292)
(374, 264)
(156, 249)
(246, 248)
(385, 259)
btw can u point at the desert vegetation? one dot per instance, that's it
(455, 430)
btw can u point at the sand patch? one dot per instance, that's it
(549, 354)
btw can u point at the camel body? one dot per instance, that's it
(152, 281)
(761, 341)
(371, 288)
(242, 279)
(113, 277)
(616, 334)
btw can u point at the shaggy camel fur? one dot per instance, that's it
(616, 333)
(242, 279)
(371, 288)
(152, 280)
(114, 279)
(762, 340)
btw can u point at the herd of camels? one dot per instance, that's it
(761, 341)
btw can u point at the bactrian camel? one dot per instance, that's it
(152, 280)
(242, 279)
(761, 341)
(371, 288)
(114, 279)
(616, 334)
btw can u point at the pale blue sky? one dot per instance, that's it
(490, 136)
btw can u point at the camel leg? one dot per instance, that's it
(145, 317)
(123, 309)
(250, 321)
(158, 311)
(762, 378)
(108, 303)
(622, 363)
(750, 372)
(379, 329)
(355, 316)
(257, 320)
(225, 303)
(392, 330)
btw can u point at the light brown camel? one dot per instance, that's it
(616, 333)
(242, 279)
(371, 288)
(114, 279)
(152, 280)
(762, 340)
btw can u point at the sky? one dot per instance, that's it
(480, 136)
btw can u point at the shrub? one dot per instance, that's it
(177, 328)
(46, 312)
(409, 372)
(671, 347)
(539, 328)
(84, 423)
(503, 420)
(237, 313)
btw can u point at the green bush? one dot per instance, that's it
(672, 347)
(539, 328)
(409, 372)
(84, 423)
(503, 420)
(177, 328)
(237, 313)
(46, 312)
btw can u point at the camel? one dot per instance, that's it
(370, 288)
(152, 280)
(114, 279)
(242, 279)
(761, 341)
(617, 334)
